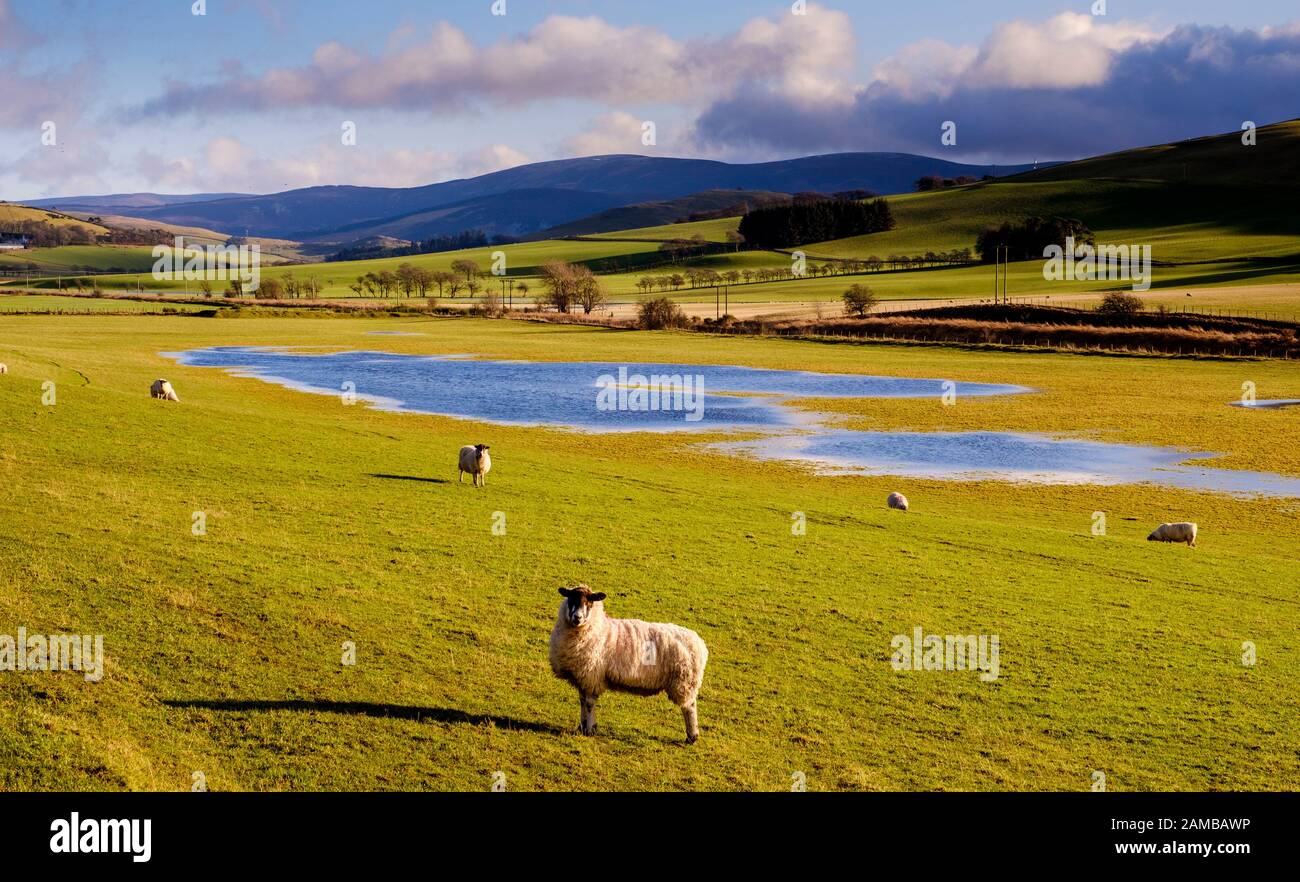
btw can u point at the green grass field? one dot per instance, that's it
(328, 524)
(70, 259)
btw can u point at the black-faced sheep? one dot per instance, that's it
(475, 462)
(595, 652)
(897, 500)
(161, 389)
(1182, 532)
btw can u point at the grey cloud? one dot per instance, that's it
(1192, 81)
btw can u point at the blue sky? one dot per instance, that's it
(253, 95)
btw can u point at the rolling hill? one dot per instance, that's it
(12, 214)
(510, 214)
(1207, 199)
(319, 213)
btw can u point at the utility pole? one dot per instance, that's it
(1006, 269)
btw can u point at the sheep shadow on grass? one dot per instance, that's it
(410, 478)
(368, 709)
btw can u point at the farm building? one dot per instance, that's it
(12, 241)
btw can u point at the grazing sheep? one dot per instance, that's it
(4, 368)
(898, 501)
(475, 462)
(1183, 532)
(163, 390)
(595, 652)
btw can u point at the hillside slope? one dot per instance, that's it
(12, 214)
(510, 214)
(1207, 199)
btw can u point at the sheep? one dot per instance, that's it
(595, 652)
(4, 368)
(898, 501)
(1183, 532)
(162, 390)
(475, 462)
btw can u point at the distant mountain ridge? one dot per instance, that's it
(577, 188)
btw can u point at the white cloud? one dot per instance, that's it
(562, 57)
(614, 132)
(225, 159)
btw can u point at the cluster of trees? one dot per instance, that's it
(151, 236)
(570, 286)
(814, 220)
(43, 234)
(1026, 241)
(935, 182)
(660, 313)
(1120, 303)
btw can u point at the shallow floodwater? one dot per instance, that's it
(1267, 403)
(730, 398)
(1006, 456)
(566, 393)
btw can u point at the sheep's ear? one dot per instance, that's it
(594, 598)
(565, 592)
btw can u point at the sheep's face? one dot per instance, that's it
(579, 603)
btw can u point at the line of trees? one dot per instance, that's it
(410, 280)
(708, 278)
(814, 220)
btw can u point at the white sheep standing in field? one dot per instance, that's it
(163, 390)
(475, 462)
(1182, 532)
(595, 652)
(898, 501)
(4, 368)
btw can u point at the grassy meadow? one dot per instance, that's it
(328, 524)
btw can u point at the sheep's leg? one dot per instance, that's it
(692, 719)
(460, 477)
(588, 718)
